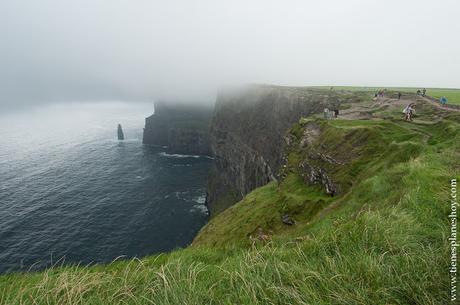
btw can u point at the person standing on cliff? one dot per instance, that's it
(443, 101)
(399, 95)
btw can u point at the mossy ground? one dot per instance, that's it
(383, 240)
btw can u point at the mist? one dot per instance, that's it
(94, 50)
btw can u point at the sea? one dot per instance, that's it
(71, 193)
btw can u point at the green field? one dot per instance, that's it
(452, 95)
(382, 240)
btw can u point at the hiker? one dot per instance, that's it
(336, 112)
(443, 101)
(418, 92)
(408, 112)
(411, 110)
(399, 95)
(326, 113)
(423, 91)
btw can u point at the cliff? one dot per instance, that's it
(247, 135)
(180, 128)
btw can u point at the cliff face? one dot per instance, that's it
(248, 136)
(180, 128)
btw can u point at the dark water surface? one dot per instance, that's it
(69, 189)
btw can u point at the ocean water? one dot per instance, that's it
(71, 193)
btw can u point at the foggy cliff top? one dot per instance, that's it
(85, 50)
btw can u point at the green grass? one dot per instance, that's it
(381, 241)
(452, 95)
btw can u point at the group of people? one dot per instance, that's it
(421, 92)
(408, 111)
(380, 93)
(331, 114)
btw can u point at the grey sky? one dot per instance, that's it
(53, 50)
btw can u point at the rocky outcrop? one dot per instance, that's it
(248, 136)
(120, 133)
(318, 175)
(179, 128)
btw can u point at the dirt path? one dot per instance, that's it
(366, 110)
(438, 105)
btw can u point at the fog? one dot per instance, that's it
(93, 50)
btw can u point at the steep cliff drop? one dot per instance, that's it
(180, 128)
(120, 133)
(247, 135)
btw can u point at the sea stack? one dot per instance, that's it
(121, 136)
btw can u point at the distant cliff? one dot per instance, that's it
(248, 136)
(181, 128)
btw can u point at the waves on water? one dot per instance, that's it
(164, 154)
(70, 190)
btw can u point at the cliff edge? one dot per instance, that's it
(247, 135)
(180, 128)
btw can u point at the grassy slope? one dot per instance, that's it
(452, 95)
(382, 241)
